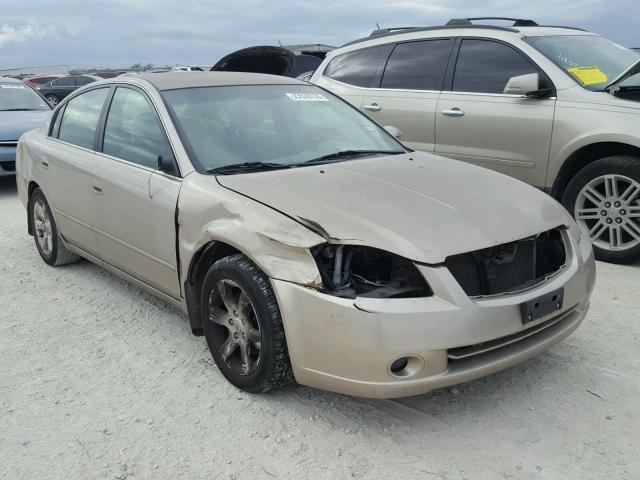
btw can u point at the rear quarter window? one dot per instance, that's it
(359, 68)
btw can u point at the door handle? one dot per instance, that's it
(44, 163)
(97, 189)
(374, 107)
(454, 112)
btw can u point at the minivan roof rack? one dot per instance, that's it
(517, 22)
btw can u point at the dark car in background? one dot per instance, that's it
(39, 80)
(21, 109)
(59, 88)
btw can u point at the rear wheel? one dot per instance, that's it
(48, 241)
(243, 327)
(52, 99)
(604, 198)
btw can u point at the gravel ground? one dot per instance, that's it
(101, 380)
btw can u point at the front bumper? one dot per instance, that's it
(348, 346)
(7, 161)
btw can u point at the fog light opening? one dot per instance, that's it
(399, 365)
(404, 367)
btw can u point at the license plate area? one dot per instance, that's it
(541, 306)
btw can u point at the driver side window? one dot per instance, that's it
(133, 131)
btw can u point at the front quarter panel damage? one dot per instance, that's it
(275, 243)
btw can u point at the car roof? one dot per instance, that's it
(9, 80)
(488, 31)
(175, 80)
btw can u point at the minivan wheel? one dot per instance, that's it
(243, 327)
(52, 99)
(604, 198)
(48, 241)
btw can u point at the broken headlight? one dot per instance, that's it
(351, 271)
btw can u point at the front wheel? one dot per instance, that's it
(604, 198)
(243, 327)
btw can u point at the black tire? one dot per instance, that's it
(273, 368)
(59, 255)
(53, 100)
(625, 165)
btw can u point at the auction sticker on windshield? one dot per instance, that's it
(588, 75)
(307, 97)
(5, 85)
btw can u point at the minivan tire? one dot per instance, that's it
(624, 166)
(57, 254)
(272, 368)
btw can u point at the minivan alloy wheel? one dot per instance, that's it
(42, 227)
(607, 209)
(230, 308)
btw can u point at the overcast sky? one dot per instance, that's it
(118, 33)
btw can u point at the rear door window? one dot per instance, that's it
(486, 67)
(65, 82)
(417, 65)
(360, 68)
(81, 117)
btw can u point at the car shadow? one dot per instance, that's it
(8, 186)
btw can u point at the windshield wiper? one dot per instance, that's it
(20, 110)
(247, 167)
(352, 153)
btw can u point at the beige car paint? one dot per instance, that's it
(421, 207)
(489, 132)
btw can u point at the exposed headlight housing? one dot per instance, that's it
(351, 271)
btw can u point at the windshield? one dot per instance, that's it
(17, 96)
(282, 125)
(592, 61)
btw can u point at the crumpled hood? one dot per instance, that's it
(420, 206)
(14, 124)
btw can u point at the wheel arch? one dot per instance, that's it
(199, 265)
(586, 155)
(31, 187)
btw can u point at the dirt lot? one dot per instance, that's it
(100, 380)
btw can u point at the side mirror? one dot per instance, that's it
(395, 131)
(526, 85)
(166, 166)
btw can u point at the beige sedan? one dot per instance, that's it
(302, 239)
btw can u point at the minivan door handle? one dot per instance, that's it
(454, 112)
(374, 107)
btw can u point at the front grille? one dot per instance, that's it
(508, 267)
(473, 351)
(8, 166)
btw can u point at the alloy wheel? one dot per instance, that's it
(42, 226)
(238, 335)
(53, 101)
(608, 211)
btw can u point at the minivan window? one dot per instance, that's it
(417, 65)
(81, 117)
(486, 67)
(358, 68)
(132, 131)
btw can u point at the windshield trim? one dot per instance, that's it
(193, 158)
(529, 42)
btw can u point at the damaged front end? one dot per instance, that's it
(351, 271)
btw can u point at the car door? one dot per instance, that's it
(478, 123)
(66, 162)
(136, 214)
(349, 74)
(64, 86)
(407, 96)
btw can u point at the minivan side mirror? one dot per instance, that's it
(527, 85)
(395, 131)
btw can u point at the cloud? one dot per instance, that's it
(29, 31)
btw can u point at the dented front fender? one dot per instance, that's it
(278, 245)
